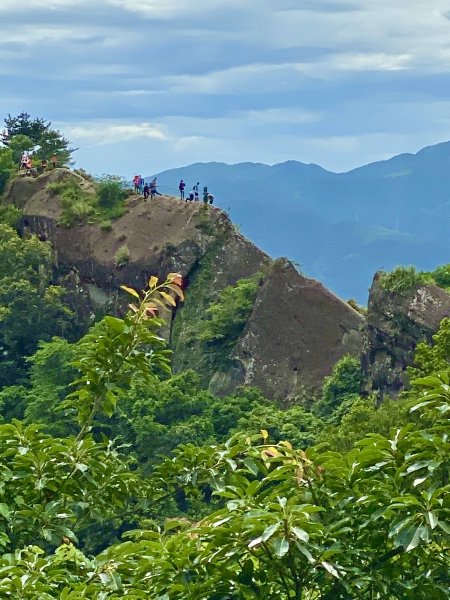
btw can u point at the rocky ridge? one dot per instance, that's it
(295, 333)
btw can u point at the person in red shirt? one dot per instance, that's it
(54, 161)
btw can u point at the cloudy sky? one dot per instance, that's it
(146, 85)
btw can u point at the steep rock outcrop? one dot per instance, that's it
(395, 325)
(295, 334)
(163, 235)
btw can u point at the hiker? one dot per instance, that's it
(181, 188)
(24, 160)
(195, 189)
(54, 161)
(191, 196)
(211, 198)
(153, 191)
(141, 184)
(205, 195)
(31, 170)
(29, 165)
(146, 191)
(44, 165)
(136, 184)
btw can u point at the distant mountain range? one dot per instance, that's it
(339, 227)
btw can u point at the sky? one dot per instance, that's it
(147, 85)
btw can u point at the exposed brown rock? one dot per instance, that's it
(296, 333)
(395, 325)
(163, 234)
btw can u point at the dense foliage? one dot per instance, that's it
(226, 318)
(7, 167)
(101, 201)
(431, 358)
(31, 308)
(228, 315)
(341, 387)
(272, 520)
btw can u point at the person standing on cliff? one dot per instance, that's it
(153, 191)
(54, 161)
(146, 191)
(196, 188)
(24, 160)
(181, 188)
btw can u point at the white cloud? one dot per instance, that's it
(110, 133)
(166, 9)
(28, 34)
(14, 6)
(266, 77)
(254, 77)
(277, 116)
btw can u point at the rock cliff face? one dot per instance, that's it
(295, 332)
(297, 329)
(395, 325)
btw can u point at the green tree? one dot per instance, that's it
(227, 316)
(362, 416)
(51, 373)
(31, 308)
(7, 167)
(66, 482)
(18, 144)
(434, 357)
(344, 384)
(13, 401)
(111, 195)
(295, 424)
(50, 141)
(441, 276)
(23, 124)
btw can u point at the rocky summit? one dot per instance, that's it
(295, 331)
(396, 323)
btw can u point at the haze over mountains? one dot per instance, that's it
(340, 227)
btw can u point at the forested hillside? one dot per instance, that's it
(138, 457)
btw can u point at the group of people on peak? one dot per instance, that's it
(194, 194)
(33, 166)
(146, 189)
(151, 190)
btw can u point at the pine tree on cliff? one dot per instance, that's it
(51, 142)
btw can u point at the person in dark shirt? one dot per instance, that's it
(181, 188)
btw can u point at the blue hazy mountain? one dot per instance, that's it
(340, 227)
